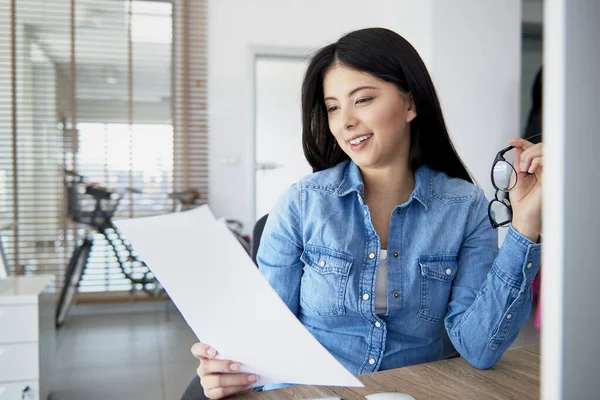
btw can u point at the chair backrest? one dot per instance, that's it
(257, 231)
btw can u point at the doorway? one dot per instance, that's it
(278, 157)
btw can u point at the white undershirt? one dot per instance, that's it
(381, 284)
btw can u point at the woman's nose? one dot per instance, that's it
(349, 120)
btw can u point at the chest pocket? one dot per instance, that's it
(437, 274)
(324, 281)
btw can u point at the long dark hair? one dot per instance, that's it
(389, 57)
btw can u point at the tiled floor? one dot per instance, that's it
(124, 352)
(138, 351)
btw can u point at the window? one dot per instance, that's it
(115, 89)
(139, 156)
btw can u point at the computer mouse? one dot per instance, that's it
(390, 396)
(325, 398)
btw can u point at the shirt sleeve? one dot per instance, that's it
(488, 306)
(281, 246)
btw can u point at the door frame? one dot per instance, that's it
(254, 53)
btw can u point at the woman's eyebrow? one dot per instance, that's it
(352, 92)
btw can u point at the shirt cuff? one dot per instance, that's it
(519, 259)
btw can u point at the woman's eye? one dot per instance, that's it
(364, 100)
(332, 108)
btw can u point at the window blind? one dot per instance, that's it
(114, 89)
(31, 195)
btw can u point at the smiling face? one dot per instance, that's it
(368, 117)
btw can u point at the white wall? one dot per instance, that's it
(476, 68)
(471, 48)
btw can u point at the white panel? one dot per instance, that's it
(19, 324)
(554, 201)
(571, 320)
(19, 391)
(19, 362)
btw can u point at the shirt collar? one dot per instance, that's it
(352, 182)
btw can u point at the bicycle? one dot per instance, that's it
(100, 220)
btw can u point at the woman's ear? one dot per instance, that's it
(411, 112)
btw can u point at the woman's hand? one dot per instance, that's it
(526, 196)
(220, 378)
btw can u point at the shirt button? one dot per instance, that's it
(448, 271)
(529, 264)
(508, 316)
(399, 211)
(396, 255)
(322, 263)
(366, 296)
(371, 361)
(372, 256)
(378, 324)
(396, 295)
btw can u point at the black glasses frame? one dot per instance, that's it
(506, 201)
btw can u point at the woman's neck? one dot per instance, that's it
(390, 185)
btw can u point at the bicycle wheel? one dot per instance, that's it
(72, 278)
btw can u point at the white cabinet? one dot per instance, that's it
(27, 337)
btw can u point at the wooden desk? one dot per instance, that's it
(516, 376)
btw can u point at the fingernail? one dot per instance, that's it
(252, 378)
(235, 367)
(211, 352)
(523, 166)
(531, 170)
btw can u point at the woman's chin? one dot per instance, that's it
(365, 162)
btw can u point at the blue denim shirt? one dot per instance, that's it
(320, 253)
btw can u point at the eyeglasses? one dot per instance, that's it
(504, 179)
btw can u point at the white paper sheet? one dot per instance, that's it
(227, 302)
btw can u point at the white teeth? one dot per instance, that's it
(359, 139)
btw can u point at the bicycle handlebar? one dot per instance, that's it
(99, 192)
(80, 178)
(186, 197)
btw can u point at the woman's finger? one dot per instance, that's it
(534, 151)
(201, 350)
(536, 165)
(219, 393)
(227, 380)
(525, 157)
(521, 143)
(218, 366)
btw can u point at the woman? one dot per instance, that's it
(388, 243)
